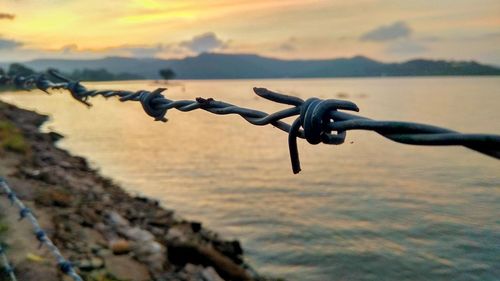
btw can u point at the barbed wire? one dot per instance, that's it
(9, 270)
(317, 120)
(25, 213)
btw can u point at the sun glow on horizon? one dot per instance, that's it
(284, 28)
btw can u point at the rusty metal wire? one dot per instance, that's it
(317, 121)
(25, 213)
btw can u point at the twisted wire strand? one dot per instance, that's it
(25, 213)
(9, 270)
(317, 120)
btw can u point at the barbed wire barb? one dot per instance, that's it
(317, 120)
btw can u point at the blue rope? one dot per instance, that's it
(317, 120)
(25, 213)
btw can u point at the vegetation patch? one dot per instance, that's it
(3, 227)
(11, 138)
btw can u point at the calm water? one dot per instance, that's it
(367, 210)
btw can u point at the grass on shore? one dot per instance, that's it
(11, 138)
(3, 227)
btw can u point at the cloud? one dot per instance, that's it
(389, 32)
(7, 44)
(6, 16)
(68, 49)
(202, 43)
(491, 35)
(205, 42)
(145, 51)
(289, 45)
(139, 51)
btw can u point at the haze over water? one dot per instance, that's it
(369, 209)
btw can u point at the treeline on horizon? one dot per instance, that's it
(100, 74)
(246, 66)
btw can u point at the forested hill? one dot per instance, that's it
(233, 66)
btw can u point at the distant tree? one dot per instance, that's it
(2, 72)
(167, 73)
(19, 69)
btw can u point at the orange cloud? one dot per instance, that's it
(6, 16)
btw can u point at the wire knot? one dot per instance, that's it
(150, 107)
(65, 267)
(204, 101)
(40, 235)
(78, 91)
(8, 269)
(315, 118)
(42, 83)
(11, 195)
(24, 212)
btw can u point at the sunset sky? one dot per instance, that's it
(382, 29)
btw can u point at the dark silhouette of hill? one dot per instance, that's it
(232, 66)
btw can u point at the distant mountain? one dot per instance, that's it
(232, 66)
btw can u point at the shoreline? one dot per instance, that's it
(107, 233)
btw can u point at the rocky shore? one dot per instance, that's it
(106, 233)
